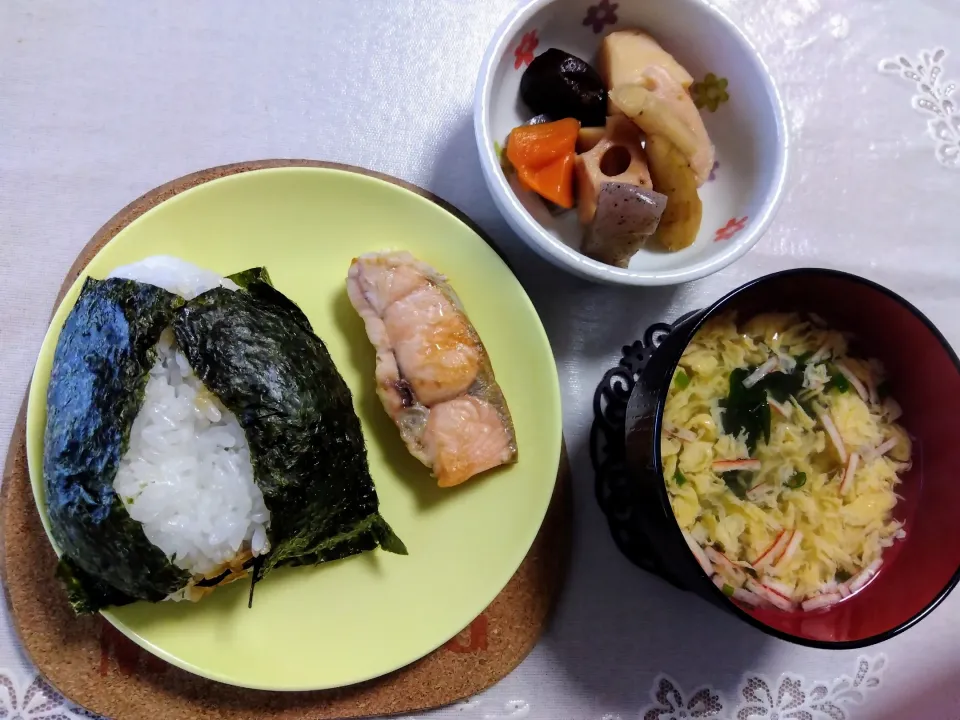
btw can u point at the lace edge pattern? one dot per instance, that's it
(933, 98)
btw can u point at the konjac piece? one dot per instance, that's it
(626, 217)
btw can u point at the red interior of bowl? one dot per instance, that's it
(925, 379)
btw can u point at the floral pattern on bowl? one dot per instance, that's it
(732, 227)
(523, 53)
(710, 93)
(601, 15)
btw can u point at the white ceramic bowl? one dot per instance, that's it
(748, 129)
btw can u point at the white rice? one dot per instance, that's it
(173, 275)
(187, 476)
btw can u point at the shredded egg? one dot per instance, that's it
(806, 525)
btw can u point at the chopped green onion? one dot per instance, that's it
(679, 478)
(802, 359)
(728, 590)
(797, 480)
(842, 576)
(681, 379)
(838, 381)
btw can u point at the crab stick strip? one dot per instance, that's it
(747, 597)
(723, 564)
(761, 372)
(790, 550)
(864, 576)
(784, 410)
(881, 450)
(819, 355)
(722, 466)
(849, 473)
(824, 600)
(698, 553)
(738, 593)
(770, 595)
(778, 587)
(834, 435)
(853, 380)
(772, 553)
(758, 490)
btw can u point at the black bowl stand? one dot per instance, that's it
(615, 490)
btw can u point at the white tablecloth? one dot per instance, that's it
(101, 101)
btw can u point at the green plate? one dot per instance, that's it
(352, 620)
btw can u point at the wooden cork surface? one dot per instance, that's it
(95, 666)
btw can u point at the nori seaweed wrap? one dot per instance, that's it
(106, 348)
(241, 353)
(255, 349)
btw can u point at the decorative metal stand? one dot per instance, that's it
(615, 491)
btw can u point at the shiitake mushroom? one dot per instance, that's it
(561, 85)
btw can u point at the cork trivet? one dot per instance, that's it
(91, 663)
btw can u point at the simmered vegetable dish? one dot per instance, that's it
(624, 142)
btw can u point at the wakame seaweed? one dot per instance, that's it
(746, 409)
(97, 383)
(256, 351)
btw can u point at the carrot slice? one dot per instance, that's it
(553, 181)
(534, 146)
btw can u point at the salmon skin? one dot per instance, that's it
(433, 374)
